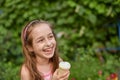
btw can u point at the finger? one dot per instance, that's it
(65, 75)
(66, 78)
(55, 75)
(56, 72)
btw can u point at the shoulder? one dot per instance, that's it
(24, 73)
(60, 59)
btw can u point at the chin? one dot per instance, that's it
(50, 55)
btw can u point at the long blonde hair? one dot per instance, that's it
(30, 58)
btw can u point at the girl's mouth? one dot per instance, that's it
(48, 50)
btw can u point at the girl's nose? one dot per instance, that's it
(48, 43)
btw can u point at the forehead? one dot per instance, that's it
(41, 30)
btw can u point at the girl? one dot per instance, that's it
(40, 52)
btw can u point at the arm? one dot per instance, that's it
(24, 73)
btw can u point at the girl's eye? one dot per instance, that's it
(41, 40)
(51, 36)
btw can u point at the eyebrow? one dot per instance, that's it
(50, 33)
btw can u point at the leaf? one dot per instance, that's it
(71, 3)
(92, 18)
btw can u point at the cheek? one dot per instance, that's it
(38, 46)
(55, 43)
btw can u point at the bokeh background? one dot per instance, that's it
(88, 35)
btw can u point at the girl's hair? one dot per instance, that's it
(30, 58)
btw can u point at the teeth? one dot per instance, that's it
(48, 49)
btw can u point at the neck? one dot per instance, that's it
(41, 61)
(43, 65)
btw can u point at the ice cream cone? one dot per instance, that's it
(63, 67)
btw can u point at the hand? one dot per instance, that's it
(64, 76)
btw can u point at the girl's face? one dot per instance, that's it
(44, 42)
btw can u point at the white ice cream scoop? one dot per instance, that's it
(64, 66)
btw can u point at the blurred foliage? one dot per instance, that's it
(78, 24)
(88, 67)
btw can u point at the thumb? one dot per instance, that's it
(56, 72)
(55, 75)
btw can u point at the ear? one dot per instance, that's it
(30, 48)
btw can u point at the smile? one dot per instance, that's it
(48, 50)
